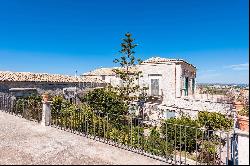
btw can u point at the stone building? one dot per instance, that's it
(165, 78)
(44, 82)
(172, 81)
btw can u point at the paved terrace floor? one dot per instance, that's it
(26, 142)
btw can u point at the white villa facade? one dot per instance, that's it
(172, 81)
(166, 78)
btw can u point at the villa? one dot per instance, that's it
(171, 81)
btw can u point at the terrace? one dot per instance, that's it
(176, 147)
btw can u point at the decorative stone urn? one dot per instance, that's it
(45, 97)
(243, 122)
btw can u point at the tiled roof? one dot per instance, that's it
(101, 71)
(162, 60)
(42, 77)
(106, 71)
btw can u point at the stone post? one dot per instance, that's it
(46, 114)
(243, 147)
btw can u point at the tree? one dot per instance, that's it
(127, 71)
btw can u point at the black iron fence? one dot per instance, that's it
(28, 108)
(172, 143)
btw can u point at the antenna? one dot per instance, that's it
(76, 73)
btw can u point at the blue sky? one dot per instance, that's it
(57, 36)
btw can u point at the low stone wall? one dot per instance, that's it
(44, 86)
(201, 105)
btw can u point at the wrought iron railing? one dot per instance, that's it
(168, 142)
(25, 108)
(171, 143)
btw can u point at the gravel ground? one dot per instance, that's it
(25, 142)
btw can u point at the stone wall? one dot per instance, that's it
(192, 107)
(166, 75)
(43, 86)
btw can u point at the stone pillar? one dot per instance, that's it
(243, 147)
(46, 114)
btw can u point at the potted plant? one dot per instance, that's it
(243, 119)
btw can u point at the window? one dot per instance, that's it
(193, 85)
(155, 87)
(186, 85)
(103, 77)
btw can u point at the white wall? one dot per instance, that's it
(243, 148)
(178, 80)
(166, 80)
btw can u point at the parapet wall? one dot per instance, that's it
(43, 86)
(203, 105)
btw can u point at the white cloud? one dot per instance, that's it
(243, 66)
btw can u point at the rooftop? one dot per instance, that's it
(105, 71)
(42, 77)
(164, 60)
(155, 60)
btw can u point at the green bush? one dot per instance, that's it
(182, 132)
(29, 107)
(157, 145)
(214, 121)
(208, 153)
(106, 101)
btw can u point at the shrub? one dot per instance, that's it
(214, 121)
(208, 153)
(181, 131)
(106, 101)
(157, 145)
(29, 107)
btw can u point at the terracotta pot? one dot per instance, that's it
(243, 122)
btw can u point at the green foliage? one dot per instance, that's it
(29, 107)
(244, 111)
(214, 121)
(180, 134)
(106, 101)
(182, 131)
(208, 153)
(157, 145)
(128, 73)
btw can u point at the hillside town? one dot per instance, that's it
(171, 88)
